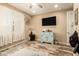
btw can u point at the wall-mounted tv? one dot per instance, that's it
(50, 21)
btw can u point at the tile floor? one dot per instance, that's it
(34, 48)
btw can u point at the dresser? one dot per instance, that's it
(47, 37)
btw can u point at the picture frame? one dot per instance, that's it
(76, 16)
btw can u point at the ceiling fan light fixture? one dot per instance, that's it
(34, 4)
(40, 6)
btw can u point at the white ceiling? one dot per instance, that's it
(47, 7)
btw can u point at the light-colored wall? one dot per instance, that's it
(60, 29)
(76, 5)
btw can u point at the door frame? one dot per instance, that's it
(67, 25)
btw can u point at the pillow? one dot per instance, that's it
(74, 39)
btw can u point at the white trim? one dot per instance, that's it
(63, 43)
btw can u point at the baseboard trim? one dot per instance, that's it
(63, 44)
(6, 47)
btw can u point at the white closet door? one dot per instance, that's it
(9, 25)
(18, 26)
(2, 26)
(14, 18)
(1, 34)
(7, 17)
(5, 25)
(21, 26)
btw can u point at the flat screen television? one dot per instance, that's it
(50, 21)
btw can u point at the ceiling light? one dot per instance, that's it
(56, 6)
